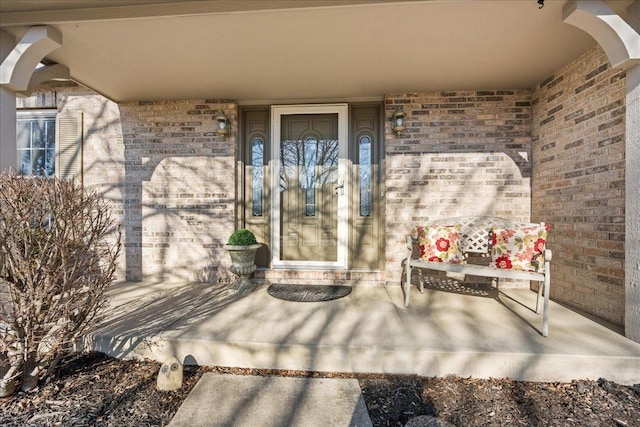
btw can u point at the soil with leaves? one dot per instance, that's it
(95, 390)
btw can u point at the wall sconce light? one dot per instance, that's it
(223, 124)
(399, 122)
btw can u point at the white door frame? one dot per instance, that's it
(277, 111)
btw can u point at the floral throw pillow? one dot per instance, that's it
(519, 249)
(440, 244)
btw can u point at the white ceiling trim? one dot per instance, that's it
(74, 11)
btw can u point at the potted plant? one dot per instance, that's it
(242, 246)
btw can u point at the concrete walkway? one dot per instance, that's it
(453, 331)
(251, 401)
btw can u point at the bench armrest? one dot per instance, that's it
(410, 242)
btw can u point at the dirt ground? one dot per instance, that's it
(95, 390)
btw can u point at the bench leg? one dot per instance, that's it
(545, 313)
(540, 287)
(407, 284)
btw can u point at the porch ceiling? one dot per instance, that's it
(290, 50)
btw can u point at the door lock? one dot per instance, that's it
(339, 187)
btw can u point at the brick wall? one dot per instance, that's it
(180, 188)
(579, 181)
(463, 153)
(169, 178)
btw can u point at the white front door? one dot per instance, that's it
(309, 186)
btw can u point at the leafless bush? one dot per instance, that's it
(58, 252)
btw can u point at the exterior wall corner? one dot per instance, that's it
(579, 182)
(632, 208)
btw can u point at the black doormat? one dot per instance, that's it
(308, 293)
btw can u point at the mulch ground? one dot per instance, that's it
(95, 390)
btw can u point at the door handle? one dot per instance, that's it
(339, 187)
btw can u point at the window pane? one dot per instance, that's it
(50, 146)
(23, 136)
(309, 165)
(35, 140)
(257, 175)
(364, 157)
(308, 177)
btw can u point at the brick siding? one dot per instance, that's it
(462, 154)
(579, 181)
(180, 188)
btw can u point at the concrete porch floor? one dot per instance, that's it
(478, 334)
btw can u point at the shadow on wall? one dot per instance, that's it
(179, 189)
(463, 153)
(178, 195)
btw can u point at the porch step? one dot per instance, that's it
(369, 331)
(315, 277)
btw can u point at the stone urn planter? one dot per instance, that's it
(242, 246)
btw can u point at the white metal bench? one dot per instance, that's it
(475, 235)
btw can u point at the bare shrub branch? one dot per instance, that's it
(58, 252)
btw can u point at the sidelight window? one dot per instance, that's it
(364, 159)
(257, 175)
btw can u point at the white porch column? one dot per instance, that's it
(7, 112)
(621, 42)
(17, 67)
(632, 177)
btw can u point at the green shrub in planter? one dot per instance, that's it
(242, 237)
